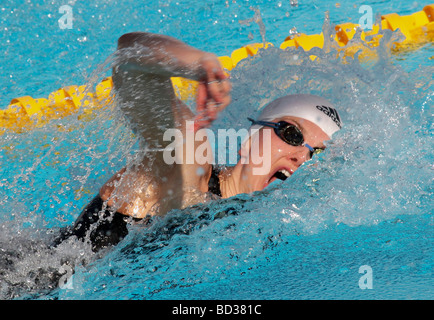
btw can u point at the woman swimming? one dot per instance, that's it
(291, 128)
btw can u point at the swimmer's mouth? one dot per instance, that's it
(281, 174)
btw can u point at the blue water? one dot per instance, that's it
(39, 57)
(366, 201)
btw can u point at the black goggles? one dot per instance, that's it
(288, 133)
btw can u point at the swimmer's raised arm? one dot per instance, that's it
(163, 55)
(158, 57)
(141, 75)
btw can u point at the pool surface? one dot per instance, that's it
(354, 223)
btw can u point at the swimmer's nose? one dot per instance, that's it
(298, 155)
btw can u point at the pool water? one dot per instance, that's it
(366, 201)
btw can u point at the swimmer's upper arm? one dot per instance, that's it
(145, 63)
(159, 55)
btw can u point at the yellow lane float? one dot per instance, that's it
(25, 113)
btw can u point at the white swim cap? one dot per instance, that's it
(306, 106)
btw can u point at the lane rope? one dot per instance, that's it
(25, 113)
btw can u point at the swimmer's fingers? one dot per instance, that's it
(205, 116)
(201, 120)
(207, 108)
(225, 91)
(219, 89)
(212, 111)
(201, 97)
(213, 94)
(225, 97)
(208, 113)
(214, 77)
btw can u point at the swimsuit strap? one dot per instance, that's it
(214, 182)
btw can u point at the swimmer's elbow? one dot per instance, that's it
(146, 39)
(158, 54)
(146, 63)
(130, 39)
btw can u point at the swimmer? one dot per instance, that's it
(297, 127)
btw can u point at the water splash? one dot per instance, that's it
(257, 18)
(375, 170)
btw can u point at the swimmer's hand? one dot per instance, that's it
(213, 93)
(159, 57)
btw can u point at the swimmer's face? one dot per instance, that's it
(280, 160)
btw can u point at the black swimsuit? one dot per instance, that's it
(104, 227)
(214, 182)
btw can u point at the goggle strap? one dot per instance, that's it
(264, 123)
(308, 146)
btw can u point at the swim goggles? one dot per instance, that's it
(288, 133)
